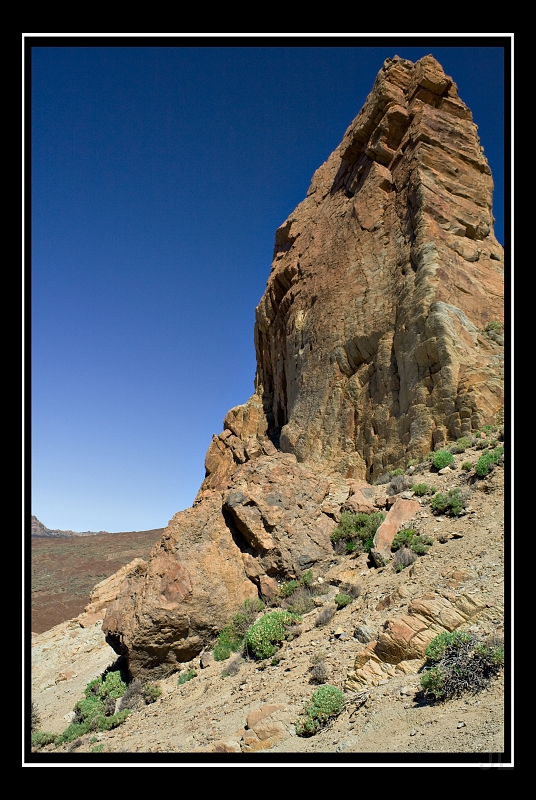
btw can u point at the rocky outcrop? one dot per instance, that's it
(369, 336)
(228, 547)
(371, 349)
(401, 646)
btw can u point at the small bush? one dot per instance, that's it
(403, 537)
(404, 557)
(307, 578)
(485, 462)
(386, 478)
(358, 528)
(422, 489)
(151, 693)
(186, 676)
(399, 484)
(494, 326)
(326, 703)
(264, 636)
(452, 503)
(301, 602)
(461, 445)
(325, 616)
(467, 465)
(233, 667)
(461, 664)
(99, 748)
(319, 673)
(412, 541)
(288, 588)
(394, 472)
(42, 738)
(342, 600)
(442, 459)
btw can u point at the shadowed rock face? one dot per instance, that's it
(370, 350)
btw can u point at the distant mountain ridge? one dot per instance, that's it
(40, 531)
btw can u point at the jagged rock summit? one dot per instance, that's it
(371, 350)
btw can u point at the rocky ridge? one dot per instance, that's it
(373, 648)
(374, 346)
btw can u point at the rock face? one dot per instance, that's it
(369, 337)
(371, 350)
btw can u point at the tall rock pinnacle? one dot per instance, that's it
(369, 336)
(371, 349)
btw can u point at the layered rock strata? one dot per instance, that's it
(371, 349)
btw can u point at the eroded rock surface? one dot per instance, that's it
(369, 336)
(371, 350)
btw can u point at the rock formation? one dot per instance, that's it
(371, 350)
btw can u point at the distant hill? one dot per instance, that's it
(41, 531)
(66, 566)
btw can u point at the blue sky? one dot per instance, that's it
(159, 177)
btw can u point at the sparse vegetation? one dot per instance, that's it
(410, 540)
(326, 615)
(233, 667)
(341, 600)
(486, 462)
(399, 484)
(326, 703)
(461, 445)
(494, 326)
(422, 489)
(186, 676)
(404, 557)
(461, 663)
(467, 465)
(42, 738)
(231, 636)
(151, 692)
(358, 528)
(265, 636)
(442, 459)
(453, 503)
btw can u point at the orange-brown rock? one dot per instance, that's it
(369, 336)
(370, 351)
(229, 547)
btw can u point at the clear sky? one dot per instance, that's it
(159, 177)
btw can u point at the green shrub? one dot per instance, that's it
(231, 636)
(99, 748)
(342, 600)
(394, 472)
(484, 462)
(461, 445)
(442, 459)
(461, 663)
(307, 578)
(327, 702)
(403, 537)
(151, 693)
(493, 325)
(421, 489)
(409, 539)
(467, 465)
(187, 676)
(42, 738)
(288, 588)
(358, 528)
(95, 710)
(452, 503)
(264, 636)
